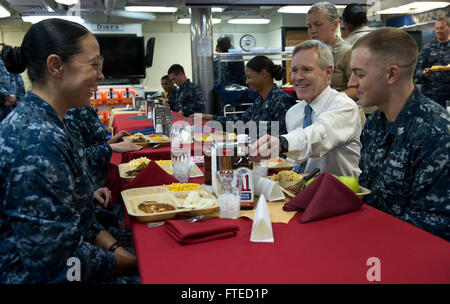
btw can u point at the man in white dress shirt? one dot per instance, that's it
(324, 127)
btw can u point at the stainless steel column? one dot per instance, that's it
(202, 53)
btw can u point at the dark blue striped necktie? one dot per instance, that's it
(306, 123)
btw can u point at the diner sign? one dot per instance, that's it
(109, 27)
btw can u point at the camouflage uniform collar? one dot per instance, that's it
(405, 118)
(185, 84)
(274, 88)
(36, 101)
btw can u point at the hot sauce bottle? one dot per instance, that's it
(244, 165)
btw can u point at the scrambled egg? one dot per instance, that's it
(286, 176)
(137, 161)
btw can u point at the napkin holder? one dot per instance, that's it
(262, 225)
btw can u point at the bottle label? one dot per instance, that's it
(247, 188)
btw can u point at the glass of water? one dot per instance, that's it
(229, 193)
(181, 163)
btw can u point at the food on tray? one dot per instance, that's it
(163, 162)
(138, 138)
(194, 199)
(439, 67)
(286, 176)
(137, 164)
(155, 207)
(137, 161)
(184, 187)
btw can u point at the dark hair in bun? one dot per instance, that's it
(354, 14)
(12, 56)
(260, 62)
(51, 36)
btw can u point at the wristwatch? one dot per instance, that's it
(284, 144)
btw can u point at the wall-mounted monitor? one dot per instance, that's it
(124, 56)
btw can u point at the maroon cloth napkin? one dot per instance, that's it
(200, 231)
(151, 175)
(325, 197)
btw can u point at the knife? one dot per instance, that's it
(301, 184)
(283, 156)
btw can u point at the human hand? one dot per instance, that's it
(266, 147)
(427, 72)
(103, 196)
(118, 137)
(10, 100)
(166, 102)
(124, 146)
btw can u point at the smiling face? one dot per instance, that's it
(82, 72)
(308, 79)
(367, 77)
(255, 80)
(167, 85)
(320, 27)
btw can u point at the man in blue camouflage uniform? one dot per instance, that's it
(264, 111)
(435, 84)
(90, 132)
(46, 214)
(406, 143)
(12, 90)
(170, 92)
(189, 98)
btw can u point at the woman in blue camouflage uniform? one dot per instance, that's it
(47, 222)
(12, 89)
(272, 103)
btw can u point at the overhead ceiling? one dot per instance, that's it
(112, 11)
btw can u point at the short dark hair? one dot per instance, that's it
(354, 14)
(391, 46)
(175, 69)
(51, 36)
(165, 77)
(260, 62)
(224, 43)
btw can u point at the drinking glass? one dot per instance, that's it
(181, 163)
(229, 193)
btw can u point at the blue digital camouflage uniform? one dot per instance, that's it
(406, 164)
(90, 132)
(190, 99)
(273, 108)
(230, 72)
(171, 98)
(436, 86)
(46, 200)
(9, 84)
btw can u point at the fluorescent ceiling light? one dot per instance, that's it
(300, 9)
(4, 12)
(249, 21)
(188, 20)
(413, 8)
(67, 2)
(217, 9)
(36, 19)
(151, 9)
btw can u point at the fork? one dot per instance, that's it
(191, 220)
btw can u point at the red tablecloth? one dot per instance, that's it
(333, 250)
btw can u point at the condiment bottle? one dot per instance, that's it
(243, 163)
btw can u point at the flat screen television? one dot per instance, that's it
(124, 56)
